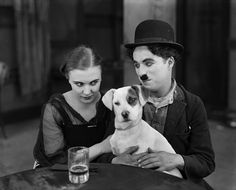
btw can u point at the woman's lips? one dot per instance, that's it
(87, 97)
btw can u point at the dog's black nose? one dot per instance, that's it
(144, 77)
(125, 114)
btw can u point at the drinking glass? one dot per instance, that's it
(78, 164)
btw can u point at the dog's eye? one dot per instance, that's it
(117, 103)
(131, 100)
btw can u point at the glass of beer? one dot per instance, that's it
(78, 164)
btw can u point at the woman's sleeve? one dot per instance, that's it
(52, 134)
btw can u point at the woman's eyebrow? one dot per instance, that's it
(95, 80)
(77, 82)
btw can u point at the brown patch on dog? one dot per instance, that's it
(132, 96)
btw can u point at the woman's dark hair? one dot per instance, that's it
(82, 58)
(161, 51)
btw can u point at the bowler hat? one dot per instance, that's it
(150, 32)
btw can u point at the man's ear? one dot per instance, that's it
(142, 92)
(107, 98)
(171, 61)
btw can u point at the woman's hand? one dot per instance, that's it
(161, 161)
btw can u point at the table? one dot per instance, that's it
(102, 176)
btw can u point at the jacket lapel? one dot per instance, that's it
(175, 112)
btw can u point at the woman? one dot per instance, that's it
(77, 117)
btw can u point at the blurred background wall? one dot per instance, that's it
(205, 27)
(98, 23)
(232, 57)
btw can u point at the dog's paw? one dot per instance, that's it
(115, 151)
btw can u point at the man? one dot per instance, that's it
(176, 113)
(179, 115)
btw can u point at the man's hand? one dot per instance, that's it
(128, 157)
(161, 161)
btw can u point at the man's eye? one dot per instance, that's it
(117, 103)
(136, 65)
(149, 64)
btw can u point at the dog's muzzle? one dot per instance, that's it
(125, 114)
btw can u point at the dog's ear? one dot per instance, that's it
(142, 92)
(108, 97)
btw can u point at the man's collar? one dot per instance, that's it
(168, 99)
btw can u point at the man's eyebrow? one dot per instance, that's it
(145, 60)
(148, 59)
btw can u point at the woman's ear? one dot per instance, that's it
(107, 98)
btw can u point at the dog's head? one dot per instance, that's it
(127, 103)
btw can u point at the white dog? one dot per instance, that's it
(127, 103)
